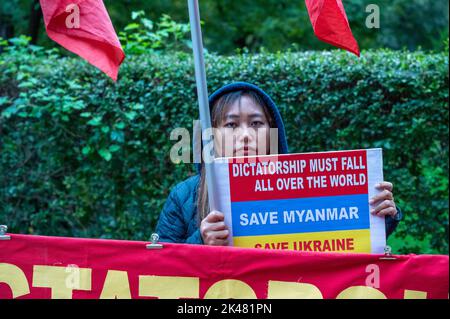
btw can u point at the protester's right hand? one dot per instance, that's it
(213, 229)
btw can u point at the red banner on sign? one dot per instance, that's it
(54, 267)
(298, 175)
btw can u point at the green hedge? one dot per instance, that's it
(83, 156)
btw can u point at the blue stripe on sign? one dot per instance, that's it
(298, 215)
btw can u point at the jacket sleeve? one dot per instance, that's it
(195, 238)
(392, 222)
(171, 225)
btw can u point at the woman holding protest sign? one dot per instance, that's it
(246, 114)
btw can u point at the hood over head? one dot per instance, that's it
(243, 86)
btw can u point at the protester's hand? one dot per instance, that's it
(213, 229)
(383, 203)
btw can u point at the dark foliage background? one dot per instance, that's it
(273, 24)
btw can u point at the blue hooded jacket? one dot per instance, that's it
(178, 221)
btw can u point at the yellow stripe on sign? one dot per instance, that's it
(347, 241)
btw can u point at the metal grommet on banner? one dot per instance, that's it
(154, 244)
(3, 236)
(388, 254)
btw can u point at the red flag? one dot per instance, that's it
(331, 25)
(84, 27)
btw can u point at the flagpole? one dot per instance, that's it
(202, 92)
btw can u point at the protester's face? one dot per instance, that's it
(243, 131)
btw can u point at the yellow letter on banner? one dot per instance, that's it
(230, 288)
(14, 277)
(61, 281)
(292, 290)
(361, 292)
(116, 285)
(167, 287)
(414, 294)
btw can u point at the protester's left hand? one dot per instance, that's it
(383, 203)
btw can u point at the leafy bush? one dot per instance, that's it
(83, 156)
(144, 36)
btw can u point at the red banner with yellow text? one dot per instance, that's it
(56, 267)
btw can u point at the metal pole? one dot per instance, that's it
(202, 92)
